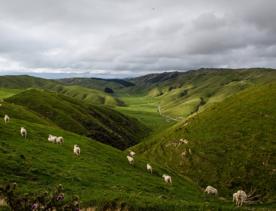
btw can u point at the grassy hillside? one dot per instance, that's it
(181, 94)
(25, 81)
(100, 123)
(87, 95)
(20, 112)
(232, 144)
(4, 93)
(160, 100)
(98, 83)
(13, 84)
(99, 176)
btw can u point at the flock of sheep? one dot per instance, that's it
(23, 130)
(130, 158)
(239, 197)
(51, 138)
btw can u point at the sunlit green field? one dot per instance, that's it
(4, 93)
(145, 109)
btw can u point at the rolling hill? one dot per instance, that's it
(181, 94)
(227, 121)
(103, 124)
(18, 83)
(231, 145)
(101, 174)
(88, 95)
(25, 81)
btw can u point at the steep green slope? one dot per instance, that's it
(103, 124)
(231, 145)
(22, 82)
(100, 174)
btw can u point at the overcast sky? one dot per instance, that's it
(122, 38)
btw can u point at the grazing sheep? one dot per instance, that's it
(190, 151)
(131, 153)
(184, 141)
(240, 197)
(149, 168)
(23, 132)
(130, 159)
(76, 150)
(6, 118)
(60, 140)
(167, 179)
(211, 190)
(52, 138)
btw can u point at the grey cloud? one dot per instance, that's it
(135, 37)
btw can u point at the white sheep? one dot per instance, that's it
(167, 178)
(131, 153)
(6, 118)
(149, 168)
(76, 150)
(184, 141)
(130, 159)
(211, 190)
(52, 138)
(23, 132)
(240, 197)
(60, 140)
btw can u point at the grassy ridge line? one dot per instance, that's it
(232, 144)
(97, 83)
(88, 95)
(103, 124)
(25, 81)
